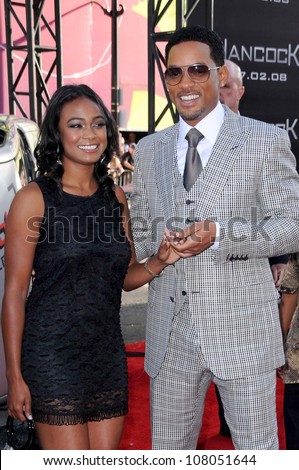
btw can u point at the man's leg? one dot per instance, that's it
(291, 415)
(178, 392)
(250, 410)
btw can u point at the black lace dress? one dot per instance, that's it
(73, 356)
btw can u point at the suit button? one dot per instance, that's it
(184, 292)
(189, 202)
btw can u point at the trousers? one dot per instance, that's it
(291, 415)
(178, 392)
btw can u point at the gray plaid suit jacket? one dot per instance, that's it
(251, 188)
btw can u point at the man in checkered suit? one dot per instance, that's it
(213, 316)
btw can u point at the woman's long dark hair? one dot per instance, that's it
(50, 147)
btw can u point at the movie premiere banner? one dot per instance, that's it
(262, 36)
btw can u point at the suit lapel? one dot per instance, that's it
(226, 150)
(165, 157)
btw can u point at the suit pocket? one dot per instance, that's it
(254, 293)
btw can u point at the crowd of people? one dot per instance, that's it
(215, 198)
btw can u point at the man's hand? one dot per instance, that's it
(194, 239)
(277, 273)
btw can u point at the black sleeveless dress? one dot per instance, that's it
(73, 356)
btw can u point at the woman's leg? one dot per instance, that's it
(106, 434)
(95, 435)
(71, 437)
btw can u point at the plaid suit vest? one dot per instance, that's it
(185, 207)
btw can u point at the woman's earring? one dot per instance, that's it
(58, 155)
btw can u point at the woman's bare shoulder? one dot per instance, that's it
(28, 199)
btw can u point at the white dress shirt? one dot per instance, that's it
(209, 127)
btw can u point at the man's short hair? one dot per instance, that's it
(200, 34)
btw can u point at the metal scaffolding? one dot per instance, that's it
(32, 48)
(31, 45)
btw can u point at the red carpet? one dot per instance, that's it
(136, 435)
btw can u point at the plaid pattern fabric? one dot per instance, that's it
(178, 394)
(251, 188)
(176, 403)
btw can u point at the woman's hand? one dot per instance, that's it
(19, 400)
(166, 254)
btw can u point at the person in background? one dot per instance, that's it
(129, 139)
(289, 317)
(127, 158)
(115, 168)
(65, 357)
(233, 89)
(122, 144)
(231, 93)
(227, 189)
(132, 138)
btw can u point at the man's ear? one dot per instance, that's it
(223, 75)
(241, 91)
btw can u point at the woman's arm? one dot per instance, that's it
(127, 165)
(140, 273)
(21, 236)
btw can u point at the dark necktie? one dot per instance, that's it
(193, 166)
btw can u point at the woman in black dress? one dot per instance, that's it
(65, 356)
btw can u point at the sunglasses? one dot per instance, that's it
(197, 72)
